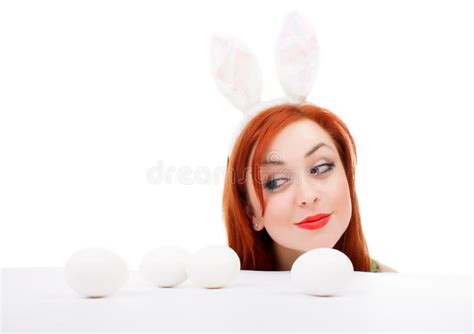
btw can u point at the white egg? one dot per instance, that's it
(95, 272)
(213, 266)
(322, 271)
(165, 266)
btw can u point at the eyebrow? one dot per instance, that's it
(311, 151)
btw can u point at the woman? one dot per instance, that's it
(291, 160)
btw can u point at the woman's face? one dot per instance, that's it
(301, 179)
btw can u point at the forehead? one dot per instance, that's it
(294, 141)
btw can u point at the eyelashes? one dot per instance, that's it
(276, 183)
(329, 165)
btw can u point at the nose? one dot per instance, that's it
(306, 192)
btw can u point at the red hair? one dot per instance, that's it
(255, 248)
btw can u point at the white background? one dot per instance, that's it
(96, 94)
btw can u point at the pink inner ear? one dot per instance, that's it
(295, 53)
(224, 73)
(298, 40)
(237, 73)
(242, 70)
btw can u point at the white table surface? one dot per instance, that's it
(37, 299)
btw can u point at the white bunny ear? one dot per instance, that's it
(236, 72)
(297, 57)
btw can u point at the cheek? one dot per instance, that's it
(278, 209)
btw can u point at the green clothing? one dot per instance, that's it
(374, 266)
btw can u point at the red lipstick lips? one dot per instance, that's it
(314, 222)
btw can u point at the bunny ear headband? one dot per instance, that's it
(238, 77)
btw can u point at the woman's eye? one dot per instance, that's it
(274, 184)
(278, 182)
(316, 169)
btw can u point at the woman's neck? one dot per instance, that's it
(285, 257)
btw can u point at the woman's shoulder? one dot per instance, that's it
(377, 267)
